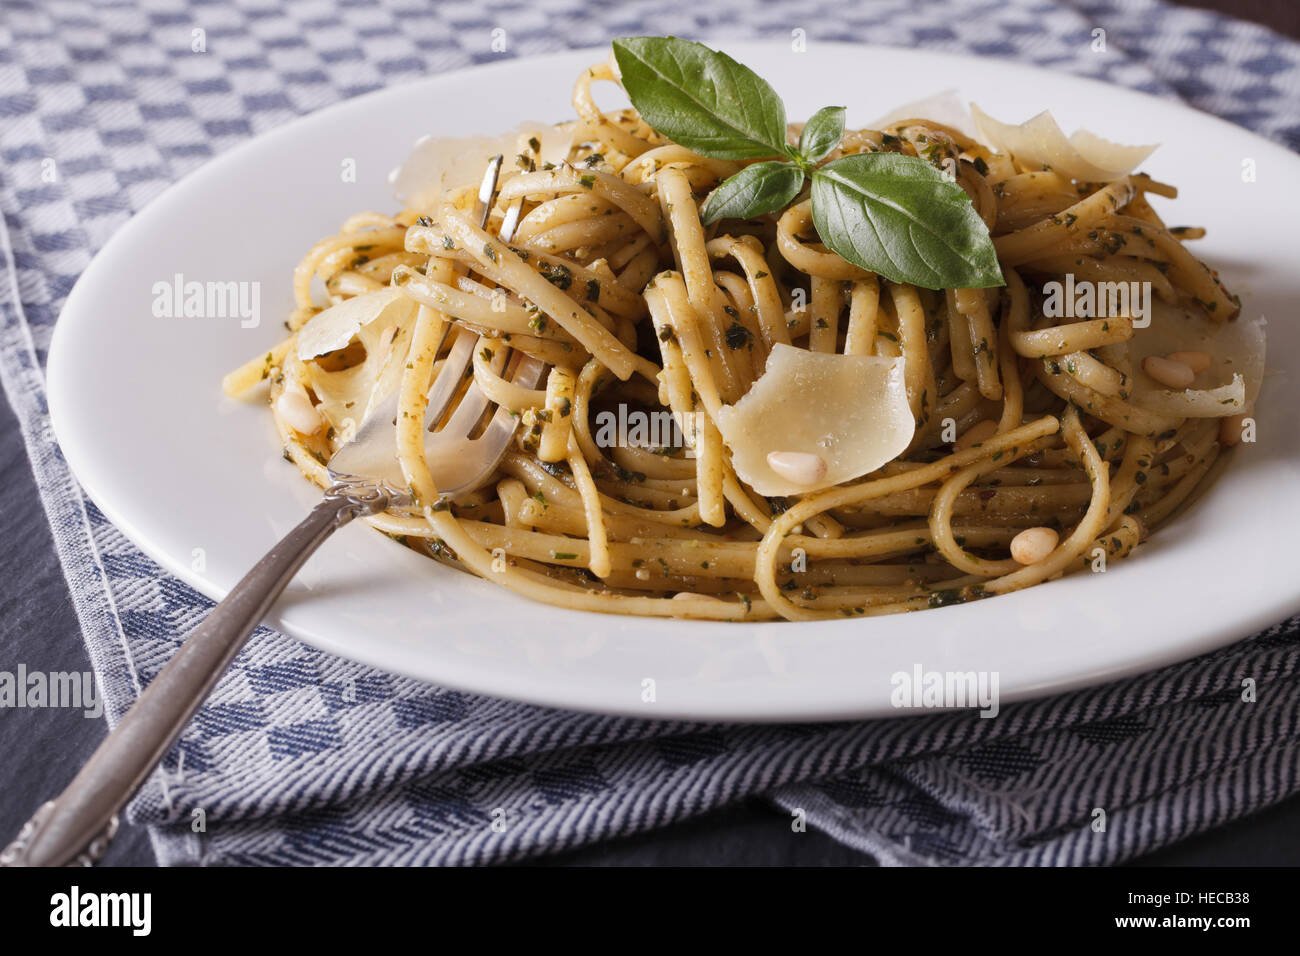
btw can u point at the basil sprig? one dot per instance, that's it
(702, 99)
(754, 190)
(891, 214)
(821, 134)
(898, 216)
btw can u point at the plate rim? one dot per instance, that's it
(1264, 615)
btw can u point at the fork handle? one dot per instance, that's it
(77, 827)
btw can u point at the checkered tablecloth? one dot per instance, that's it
(285, 764)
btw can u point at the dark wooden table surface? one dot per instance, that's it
(1280, 15)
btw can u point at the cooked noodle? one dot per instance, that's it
(613, 281)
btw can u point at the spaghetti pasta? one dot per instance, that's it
(643, 311)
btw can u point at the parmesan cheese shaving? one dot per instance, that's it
(1222, 402)
(381, 322)
(849, 410)
(438, 164)
(946, 108)
(1083, 156)
(333, 328)
(1235, 348)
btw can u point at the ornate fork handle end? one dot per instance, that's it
(76, 828)
(15, 853)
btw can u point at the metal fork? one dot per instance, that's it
(76, 828)
(460, 467)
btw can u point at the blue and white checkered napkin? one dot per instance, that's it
(285, 764)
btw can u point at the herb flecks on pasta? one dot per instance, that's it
(663, 258)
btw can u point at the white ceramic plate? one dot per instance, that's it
(138, 410)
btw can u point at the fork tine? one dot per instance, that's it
(487, 190)
(462, 351)
(449, 377)
(468, 412)
(467, 462)
(511, 221)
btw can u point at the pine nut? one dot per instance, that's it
(1033, 545)
(978, 433)
(1168, 372)
(1197, 361)
(297, 412)
(1230, 428)
(797, 467)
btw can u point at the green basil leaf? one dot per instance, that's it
(754, 191)
(822, 133)
(701, 99)
(900, 217)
